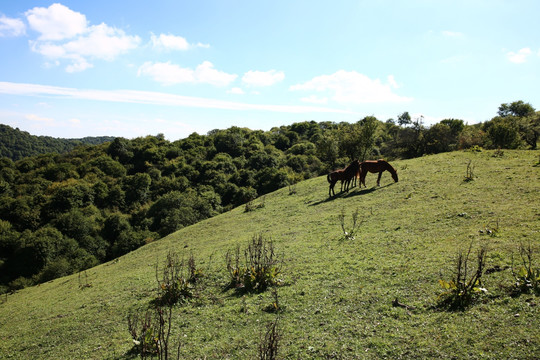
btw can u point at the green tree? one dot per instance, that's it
(404, 119)
(516, 108)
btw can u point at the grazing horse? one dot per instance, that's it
(333, 178)
(375, 166)
(345, 175)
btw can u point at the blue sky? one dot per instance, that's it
(89, 68)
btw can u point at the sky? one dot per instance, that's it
(72, 69)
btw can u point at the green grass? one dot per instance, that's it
(337, 294)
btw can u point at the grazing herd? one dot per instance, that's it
(358, 170)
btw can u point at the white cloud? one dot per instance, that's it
(263, 78)
(170, 74)
(39, 119)
(11, 27)
(57, 22)
(236, 90)
(79, 65)
(102, 42)
(173, 42)
(66, 35)
(392, 82)
(152, 98)
(352, 87)
(519, 57)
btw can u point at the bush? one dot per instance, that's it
(178, 280)
(462, 290)
(527, 275)
(260, 269)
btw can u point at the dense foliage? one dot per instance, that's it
(16, 144)
(61, 213)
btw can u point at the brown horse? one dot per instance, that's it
(344, 175)
(333, 178)
(375, 166)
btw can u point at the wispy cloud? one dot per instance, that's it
(11, 27)
(353, 88)
(152, 98)
(519, 57)
(66, 35)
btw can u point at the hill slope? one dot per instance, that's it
(338, 293)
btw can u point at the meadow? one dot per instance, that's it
(338, 293)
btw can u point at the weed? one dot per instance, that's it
(83, 281)
(490, 230)
(348, 235)
(275, 306)
(469, 176)
(151, 333)
(527, 276)
(498, 153)
(260, 269)
(251, 206)
(176, 283)
(475, 148)
(462, 290)
(269, 344)
(143, 332)
(292, 189)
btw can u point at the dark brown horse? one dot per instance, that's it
(346, 175)
(376, 166)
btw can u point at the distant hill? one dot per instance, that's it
(17, 144)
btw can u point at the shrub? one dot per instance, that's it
(151, 333)
(260, 269)
(527, 275)
(178, 279)
(469, 176)
(462, 290)
(348, 235)
(269, 344)
(144, 334)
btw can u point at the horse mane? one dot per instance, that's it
(388, 166)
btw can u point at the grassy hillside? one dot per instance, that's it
(338, 294)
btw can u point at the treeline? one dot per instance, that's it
(62, 213)
(16, 144)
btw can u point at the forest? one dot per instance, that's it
(66, 211)
(16, 144)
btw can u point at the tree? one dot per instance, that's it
(529, 128)
(516, 108)
(503, 132)
(367, 136)
(404, 119)
(357, 140)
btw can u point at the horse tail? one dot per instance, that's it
(328, 178)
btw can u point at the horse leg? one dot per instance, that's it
(379, 178)
(363, 178)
